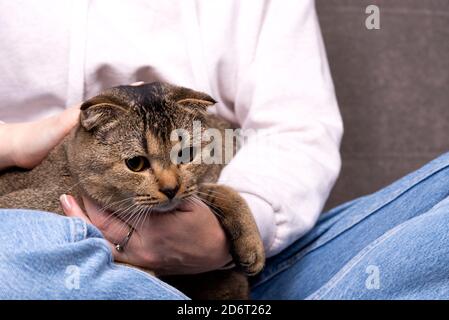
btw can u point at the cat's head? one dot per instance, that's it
(122, 153)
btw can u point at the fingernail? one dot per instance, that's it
(65, 202)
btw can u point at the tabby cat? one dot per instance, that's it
(120, 155)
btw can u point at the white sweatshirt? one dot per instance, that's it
(264, 61)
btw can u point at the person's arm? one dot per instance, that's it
(6, 158)
(287, 169)
(25, 145)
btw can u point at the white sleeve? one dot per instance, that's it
(287, 168)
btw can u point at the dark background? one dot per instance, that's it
(392, 86)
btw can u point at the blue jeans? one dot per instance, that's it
(393, 244)
(45, 256)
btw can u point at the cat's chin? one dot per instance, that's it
(168, 206)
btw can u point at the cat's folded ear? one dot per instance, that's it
(192, 99)
(100, 112)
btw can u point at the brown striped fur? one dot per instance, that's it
(128, 121)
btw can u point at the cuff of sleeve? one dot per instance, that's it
(263, 214)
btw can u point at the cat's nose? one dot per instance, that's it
(170, 192)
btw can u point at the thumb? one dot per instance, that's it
(69, 118)
(72, 209)
(61, 123)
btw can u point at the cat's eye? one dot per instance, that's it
(186, 155)
(137, 164)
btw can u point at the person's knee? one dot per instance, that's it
(408, 262)
(46, 256)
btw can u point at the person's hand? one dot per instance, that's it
(26, 144)
(187, 241)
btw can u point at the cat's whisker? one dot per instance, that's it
(214, 205)
(216, 194)
(201, 201)
(129, 211)
(74, 185)
(133, 217)
(119, 213)
(216, 212)
(145, 197)
(141, 220)
(213, 192)
(220, 207)
(190, 200)
(115, 203)
(129, 221)
(120, 209)
(186, 195)
(123, 214)
(139, 216)
(148, 202)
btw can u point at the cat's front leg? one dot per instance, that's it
(238, 222)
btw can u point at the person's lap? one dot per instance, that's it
(391, 244)
(45, 256)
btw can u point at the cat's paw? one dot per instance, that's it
(249, 254)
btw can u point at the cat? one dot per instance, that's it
(120, 155)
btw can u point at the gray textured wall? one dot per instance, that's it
(392, 86)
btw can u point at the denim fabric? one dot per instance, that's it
(46, 256)
(398, 235)
(393, 244)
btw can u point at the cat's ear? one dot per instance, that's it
(192, 99)
(100, 112)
